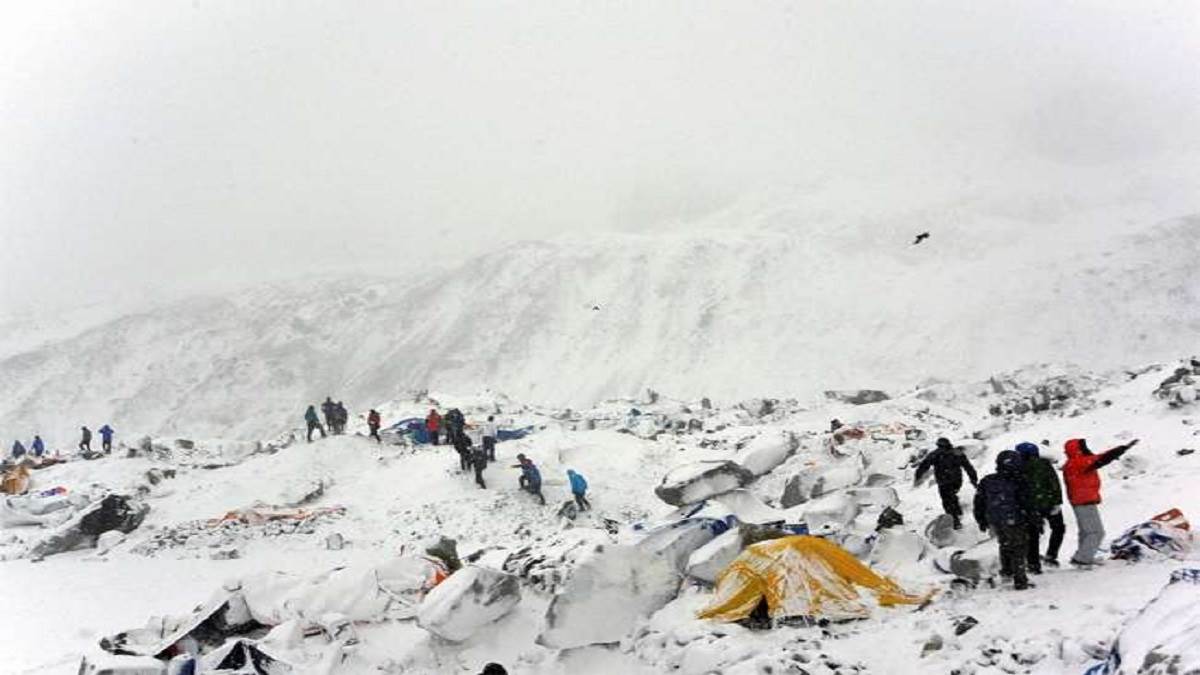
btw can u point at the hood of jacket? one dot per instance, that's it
(1076, 447)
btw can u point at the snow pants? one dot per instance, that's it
(534, 489)
(489, 447)
(949, 495)
(582, 502)
(433, 436)
(1091, 533)
(1057, 529)
(1013, 549)
(479, 467)
(375, 433)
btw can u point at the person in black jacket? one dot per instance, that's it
(1047, 496)
(1004, 505)
(948, 463)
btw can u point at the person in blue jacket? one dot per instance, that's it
(579, 489)
(18, 450)
(38, 448)
(106, 434)
(531, 477)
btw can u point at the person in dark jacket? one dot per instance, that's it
(454, 423)
(479, 461)
(433, 425)
(328, 411)
(462, 445)
(948, 464)
(18, 450)
(1081, 473)
(1047, 497)
(579, 488)
(85, 443)
(1003, 505)
(106, 434)
(37, 448)
(493, 669)
(313, 422)
(373, 423)
(342, 415)
(531, 477)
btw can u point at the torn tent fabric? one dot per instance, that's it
(1167, 533)
(801, 576)
(1161, 639)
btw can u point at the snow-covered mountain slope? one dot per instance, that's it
(720, 313)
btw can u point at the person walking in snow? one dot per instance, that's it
(579, 488)
(462, 445)
(1003, 505)
(18, 450)
(341, 417)
(493, 669)
(37, 448)
(106, 435)
(531, 478)
(490, 432)
(433, 425)
(327, 411)
(948, 463)
(454, 423)
(479, 461)
(373, 423)
(85, 443)
(313, 422)
(1046, 493)
(1081, 473)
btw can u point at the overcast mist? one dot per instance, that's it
(173, 145)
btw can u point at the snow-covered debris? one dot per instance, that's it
(975, 564)
(606, 595)
(470, 599)
(697, 481)
(858, 396)
(829, 514)
(1167, 534)
(706, 562)
(818, 481)
(114, 512)
(1180, 388)
(1161, 639)
(767, 451)
(677, 541)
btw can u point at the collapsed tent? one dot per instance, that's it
(800, 576)
(1167, 533)
(1161, 639)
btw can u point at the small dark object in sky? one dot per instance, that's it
(595, 308)
(920, 238)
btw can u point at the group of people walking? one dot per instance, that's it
(1023, 497)
(37, 447)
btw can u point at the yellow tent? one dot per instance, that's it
(800, 576)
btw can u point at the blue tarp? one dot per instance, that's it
(414, 428)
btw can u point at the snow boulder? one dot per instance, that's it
(816, 482)
(709, 560)
(470, 599)
(114, 512)
(606, 596)
(677, 541)
(767, 451)
(1161, 639)
(874, 496)
(896, 549)
(697, 481)
(975, 564)
(830, 514)
(941, 533)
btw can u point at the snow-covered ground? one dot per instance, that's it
(396, 499)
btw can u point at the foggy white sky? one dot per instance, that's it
(153, 145)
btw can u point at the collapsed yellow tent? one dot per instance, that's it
(800, 576)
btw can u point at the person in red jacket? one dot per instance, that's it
(433, 424)
(1081, 474)
(374, 421)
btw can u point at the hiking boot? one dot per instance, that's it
(1050, 562)
(1035, 570)
(1022, 585)
(1082, 565)
(957, 523)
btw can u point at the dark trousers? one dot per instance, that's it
(582, 502)
(534, 489)
(1013, 549)
(106, 445)
(464, 459)
(375, 433)
(85, 446)
(489, 447)
(315, 426)
(479, 467)
(1057, 529)
(949, 495)
(433, 436)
